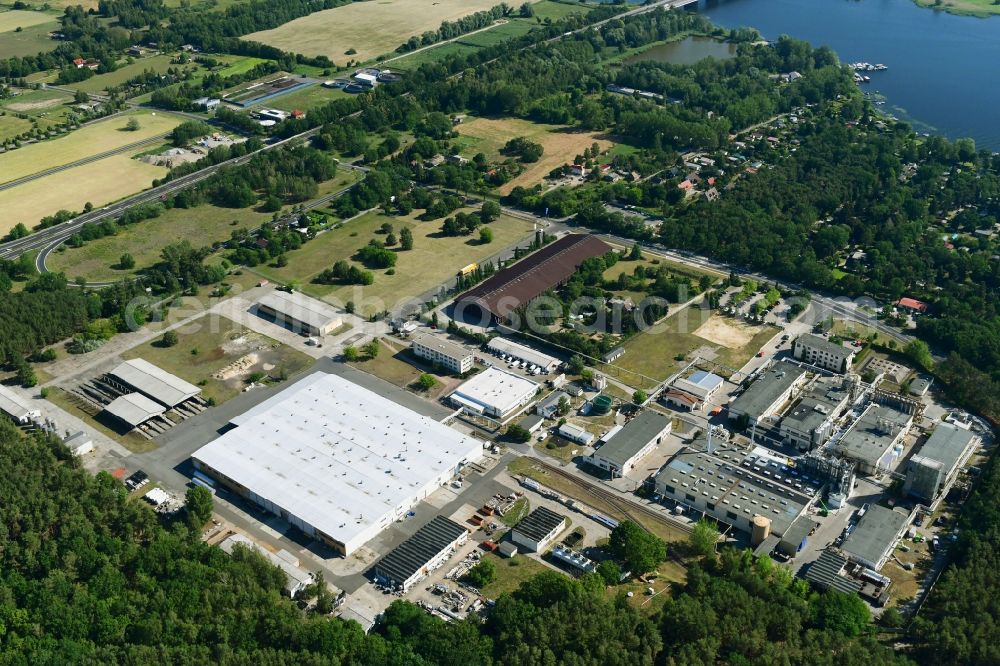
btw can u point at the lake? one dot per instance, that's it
(686, 51)
(944, 70)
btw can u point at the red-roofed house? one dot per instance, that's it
(912, 305)
(297, 114)
(79, 62)
(685, 185)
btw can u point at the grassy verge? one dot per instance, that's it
(511, 573)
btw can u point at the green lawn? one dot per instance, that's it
(238, 64)
(200, 226)
(511, 572)
(30, 41)
(432, 260)
(413, 62)
(219, 342)
(498, 34)
(558, 10)
(37, 103)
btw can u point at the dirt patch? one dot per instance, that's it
(721, 332)
(34, 106)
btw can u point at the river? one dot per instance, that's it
(944, 70)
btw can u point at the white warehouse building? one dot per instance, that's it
(336, 460)
(494, 393)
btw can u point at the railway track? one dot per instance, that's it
(626, 509)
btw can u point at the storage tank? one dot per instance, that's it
(602, 404)
(761, 530)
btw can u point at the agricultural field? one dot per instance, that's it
(93, 139)
(661, 351)
(70, 189)
(306, 98)
(209, 344)
(433, 259)
(370, 28)
(32, 38)
(561, 144)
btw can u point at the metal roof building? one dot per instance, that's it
(871, 438)
(768, 393)
(153, 382)
(726, 486)
(17, 407)
(632, 443)
(522, 353)
(826, 573)
(700, 384)
(299, 312)
(133, 409)
(413, 559)
(518, 285)
(338, 461)
(873, 540)
(494, 393)
(823, 353)
(538, 529)
(809, 423)
(934, 467)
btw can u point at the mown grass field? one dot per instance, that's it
(499, 33)
(95, 84)
(93, 139)
(37, 103)
(511, 573)
(306, 98)
(370, 28)
(488, 136)
(550, 9)
(415, 60)
(13, 19)
(120, 176)
(33, 37)
(200, 226)
(11, 126)
(433, 259)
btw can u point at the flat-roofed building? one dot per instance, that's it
(133, 409)
(932, 470)
(637, 439)
(702, 385)
(336, 460)
(823, 353)
(494, 393)
(575, 433)
(809, 423)
(517, 351)
(548, 406)
(768, 393)
(873, 540)
(299, 312)
(141, 376)
(426, 550)
(445, 353)
(538, 529)
(871, 439)
(17, 408)
(722, 486)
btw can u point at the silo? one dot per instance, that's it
(761, 530)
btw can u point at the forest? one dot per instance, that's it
(91, 576)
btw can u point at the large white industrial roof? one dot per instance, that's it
(301, 308)
(497, 389)
(154, 382)
(134, 408)
(336, 455)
